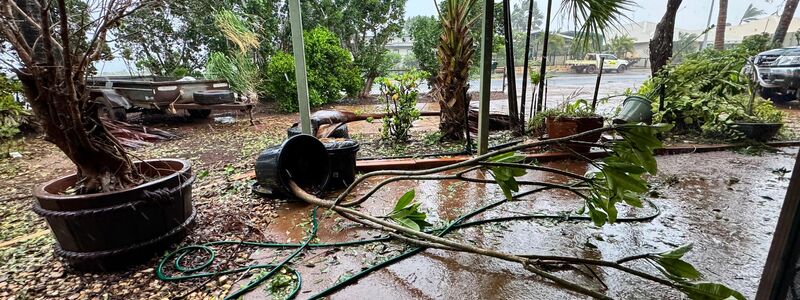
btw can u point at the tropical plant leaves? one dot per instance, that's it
(709, 291)
(619, 178)
(505, 177)
(407, 214)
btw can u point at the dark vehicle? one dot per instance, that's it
(778, 73)
(120, 95)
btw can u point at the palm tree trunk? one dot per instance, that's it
(661, 44)
(719, 38)
(783, 24)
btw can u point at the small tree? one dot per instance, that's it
(331, 72)
(621, 45)
(54, 53)
(425, 31)
(400, 95)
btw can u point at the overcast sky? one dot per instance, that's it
(693, 14)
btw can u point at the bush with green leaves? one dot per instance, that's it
(707, 92)
(400, 95)
(10, 110)
(331, 72)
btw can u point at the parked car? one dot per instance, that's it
(591, 62)
(778, 73)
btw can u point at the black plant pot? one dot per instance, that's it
(761, 132)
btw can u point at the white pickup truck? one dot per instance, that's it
(591, 62)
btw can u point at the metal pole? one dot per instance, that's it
(486, 77)
(543, 68)
(512, 78)
(597, 85)
(298, 46)
(525, 67)
(708, 24)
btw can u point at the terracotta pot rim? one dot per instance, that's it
(595, 117)
(40, 191)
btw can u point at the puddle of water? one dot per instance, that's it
(730, 225)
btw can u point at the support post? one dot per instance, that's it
(597, 85)
(486, 77)
(543, 68)
(526, 64)
(780, 271)
(513, 111)
(298, 46)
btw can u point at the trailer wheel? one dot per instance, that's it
(591, 69)
(213, 97)
(199, 113)
(112, 113)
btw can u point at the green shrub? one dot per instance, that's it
(400, 95)
(10, 110)
(331, 72)
(707, 93)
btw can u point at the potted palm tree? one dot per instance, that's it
(111, 211)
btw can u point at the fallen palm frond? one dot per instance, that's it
(236, 30)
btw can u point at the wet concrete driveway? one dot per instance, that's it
(725, 203)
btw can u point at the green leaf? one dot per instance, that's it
(405, 200)
(677, 253)
(408, 223)
(632, 199)
(709, 291)
(676, 268)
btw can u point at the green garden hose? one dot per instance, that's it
(207, 248)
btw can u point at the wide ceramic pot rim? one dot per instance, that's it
(559, 118)
(41, 192)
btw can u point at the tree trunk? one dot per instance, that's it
(783, 24)
(661, 44)
(60, 100)
(455, 52)
(367, 86)
(719, 38)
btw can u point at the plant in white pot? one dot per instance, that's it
(112, 210)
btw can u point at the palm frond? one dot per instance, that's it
(236, 30)
(751, 13)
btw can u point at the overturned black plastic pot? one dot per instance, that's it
(342, 153)
(302, 159)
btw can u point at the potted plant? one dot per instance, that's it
(568, 119)
(760, 121)
(112, 211)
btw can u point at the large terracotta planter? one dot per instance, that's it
(558, 127)
(107, 231)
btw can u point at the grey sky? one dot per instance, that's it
(693, 14)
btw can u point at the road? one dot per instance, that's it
(567, 86)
